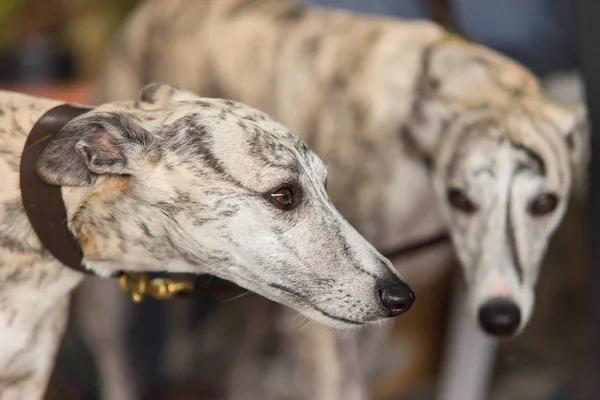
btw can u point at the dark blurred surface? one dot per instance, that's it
(589, 15)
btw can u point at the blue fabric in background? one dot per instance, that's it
(539, 33)
(403, 8)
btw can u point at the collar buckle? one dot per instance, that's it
(140, 285)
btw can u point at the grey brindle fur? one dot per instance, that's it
(173, 183)
(402, 114)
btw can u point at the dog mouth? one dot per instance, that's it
(339, 319)
(300, 299)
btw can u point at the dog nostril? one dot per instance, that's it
(397, 299)
(500, 317)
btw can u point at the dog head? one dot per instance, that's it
(503, 158)
(180, 183)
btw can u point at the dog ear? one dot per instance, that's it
(425, 127)
(577, 136)
(155, 95)
(95, 144)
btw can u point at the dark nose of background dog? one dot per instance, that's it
(397, 298)
(500, 317)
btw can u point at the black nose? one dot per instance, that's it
(500, 317)
(397, 298)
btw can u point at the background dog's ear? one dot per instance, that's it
(572, 123)
(155, 95)
(95, 144)
(578, 139)
(425, 126)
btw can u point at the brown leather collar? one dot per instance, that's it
(414, 247)
(43, 202)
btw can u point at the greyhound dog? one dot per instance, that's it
(421, 131)
(177, 183)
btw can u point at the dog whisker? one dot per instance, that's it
(246, 293)
(306, 322)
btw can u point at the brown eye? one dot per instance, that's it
(543, 204)
(459, 200)
(284, 197)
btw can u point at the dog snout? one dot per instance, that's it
(500, 317)
(396, 298)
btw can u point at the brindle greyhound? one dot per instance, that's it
(174, 183)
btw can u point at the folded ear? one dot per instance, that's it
(578, 139)
(425, 126)
(155, 95)
(95, 144)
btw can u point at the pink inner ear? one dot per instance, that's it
(106, 143)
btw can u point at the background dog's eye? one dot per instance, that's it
(459, 200)
(543, 204)
(284, 197)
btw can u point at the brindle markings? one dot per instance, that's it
(545, 133)
(538, 164)
(14, 219)
(242, 6)
(512, 240)
(291, 13)
(311, 46)
(539, 167)
(195, 140)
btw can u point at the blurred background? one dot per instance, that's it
(54, 48)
